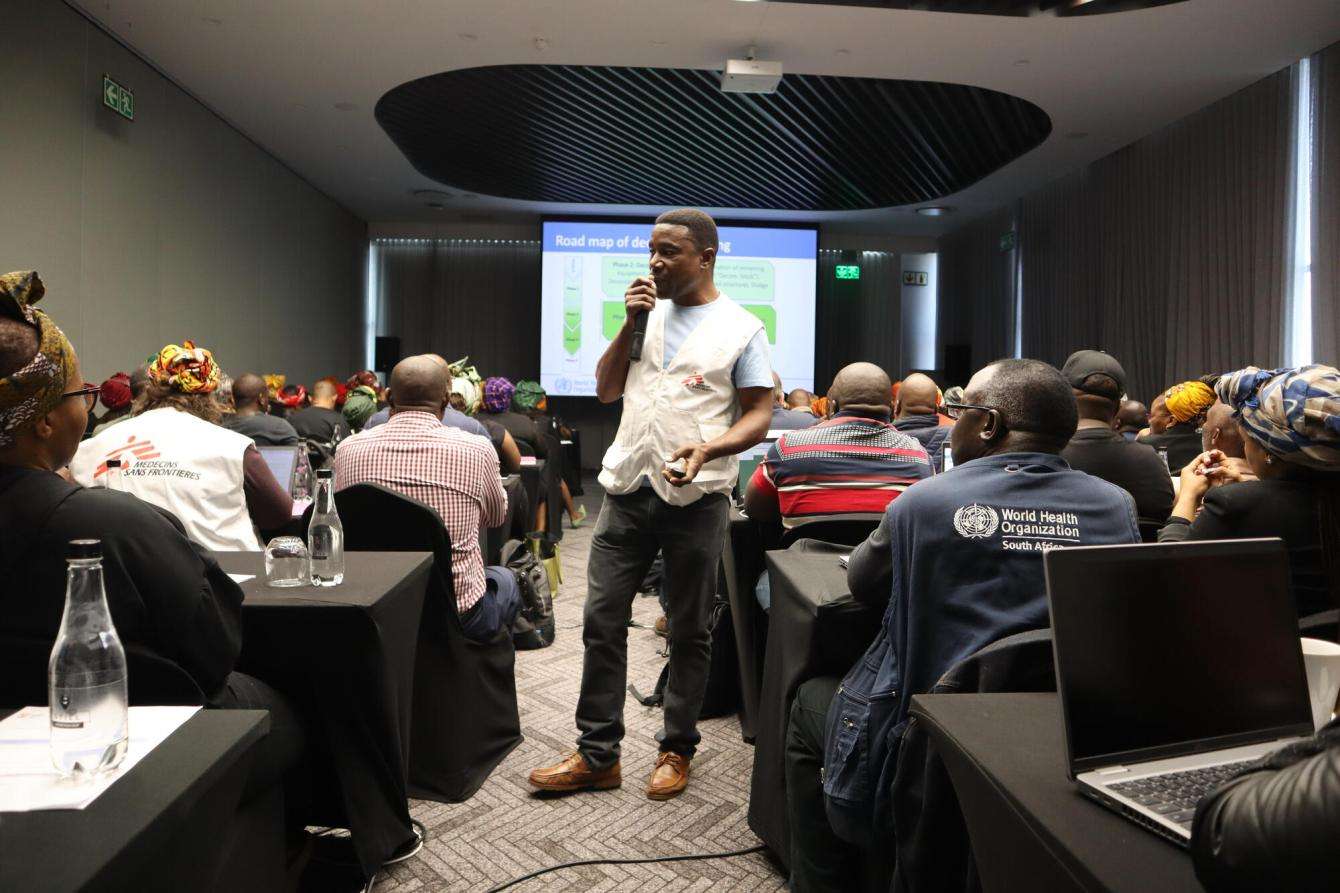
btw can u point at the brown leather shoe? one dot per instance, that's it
(670, 777)
(662, 627)
(575, 774)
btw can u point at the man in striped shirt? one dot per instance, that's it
(450, 471)
(855, 461)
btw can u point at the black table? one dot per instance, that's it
(1030, 826)
(815, 628)
(346, 655)
(531, 476)
(175, 821)
(743, 558)
(513, 526)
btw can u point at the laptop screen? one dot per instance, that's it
(282, 461)
(1176, 648)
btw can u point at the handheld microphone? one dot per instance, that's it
(639, 333)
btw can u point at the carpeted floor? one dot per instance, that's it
(506, 830)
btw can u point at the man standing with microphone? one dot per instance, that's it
(698, 392)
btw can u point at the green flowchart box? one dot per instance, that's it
(768, 314)
(612, 316)
(617, 272)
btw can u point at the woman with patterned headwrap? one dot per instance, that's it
(1175, 418)
(175, 455)
(497, 405)
(1290, 425)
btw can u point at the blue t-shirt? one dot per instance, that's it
(752, 370)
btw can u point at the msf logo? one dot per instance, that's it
(695, 382)
(140, 449)
(976, 521)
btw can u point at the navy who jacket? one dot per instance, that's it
(960, 557)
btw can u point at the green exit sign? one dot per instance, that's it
(848, 271)
(118, 98)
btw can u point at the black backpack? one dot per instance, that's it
(534, 624)
(722, 695)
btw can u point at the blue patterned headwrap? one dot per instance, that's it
(1294, 414)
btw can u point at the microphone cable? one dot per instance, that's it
(688, 857)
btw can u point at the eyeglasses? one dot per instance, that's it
(88, 392)
(955, 410)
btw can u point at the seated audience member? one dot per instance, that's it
(801, 400)
(251, 414)
(916, 414)
(321, 421)
(855, 461)
(454, 473)
(497, 406)
(165, 593)
(360, 402)
(1131, 419)
(452, 418)
(174, 455)
(509, 457)
(783, 417)
(117, 394)
(1289, 420)
(958, 561)
(531, 400)
(1220, 432)
(1174, 422)
(1273, 826)
(293, 397)
(1098, 382)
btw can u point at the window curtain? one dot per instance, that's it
(462, 297)
(1325, 70)
(1174, 253)
(976, 300)
(860, 319)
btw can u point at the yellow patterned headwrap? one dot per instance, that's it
(36, 389)
(274, 383)
(1188, 399)
(186, 368)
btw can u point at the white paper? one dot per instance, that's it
(529, 460)
(241, 578)
(28, 780)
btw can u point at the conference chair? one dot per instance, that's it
(846, 529)
(152, 680)
(933, 818)
(465, 718)
(1149, 529)
(1322, 625)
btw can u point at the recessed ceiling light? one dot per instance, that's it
(842, 52)
(935, 211)
(1023, 61)
(466, 35)
(541, 43)
(659, 43)
(345, 106)
(211, 20)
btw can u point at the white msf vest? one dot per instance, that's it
(180, 463)
(691, 401)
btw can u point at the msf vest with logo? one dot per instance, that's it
(692, 400)
(180, 463)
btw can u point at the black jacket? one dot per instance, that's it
(929, 433)
(1276, 826)
(1182, 441)
(1286, 509)
(164, 591)
(1133, 467)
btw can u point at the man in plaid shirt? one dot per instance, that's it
(452, 472)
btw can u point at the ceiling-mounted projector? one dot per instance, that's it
(751, 76)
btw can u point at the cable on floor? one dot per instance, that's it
(690, 857)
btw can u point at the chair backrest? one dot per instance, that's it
(845, 529)
(1149, 530)
(153, 680)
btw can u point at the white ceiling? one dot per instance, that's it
(277, 69)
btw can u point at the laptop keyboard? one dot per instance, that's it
(1175, 795)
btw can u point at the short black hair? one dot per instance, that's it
(18, 345)
(702, 228)
(1034, 399)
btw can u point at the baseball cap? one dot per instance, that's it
(1083, 363)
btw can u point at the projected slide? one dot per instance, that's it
(588, 266)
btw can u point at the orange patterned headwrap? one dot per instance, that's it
(186, 368)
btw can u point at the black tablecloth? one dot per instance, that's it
(815, 628)
(513, 526)
(169, 823)
(1030, 826)
(749, 623)
(532, 476)
(346, 654)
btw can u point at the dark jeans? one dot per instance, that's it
(631, 529)
(496, 608)
(820, 860)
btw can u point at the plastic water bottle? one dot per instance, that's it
(1163, 454)
(325, 535)
(112, 477)
(86, 676)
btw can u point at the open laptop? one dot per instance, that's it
(1175, 664)
(284, 464)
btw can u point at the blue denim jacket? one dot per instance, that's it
(966, 566)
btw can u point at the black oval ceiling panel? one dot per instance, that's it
(1004, 7)
(648, 136)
